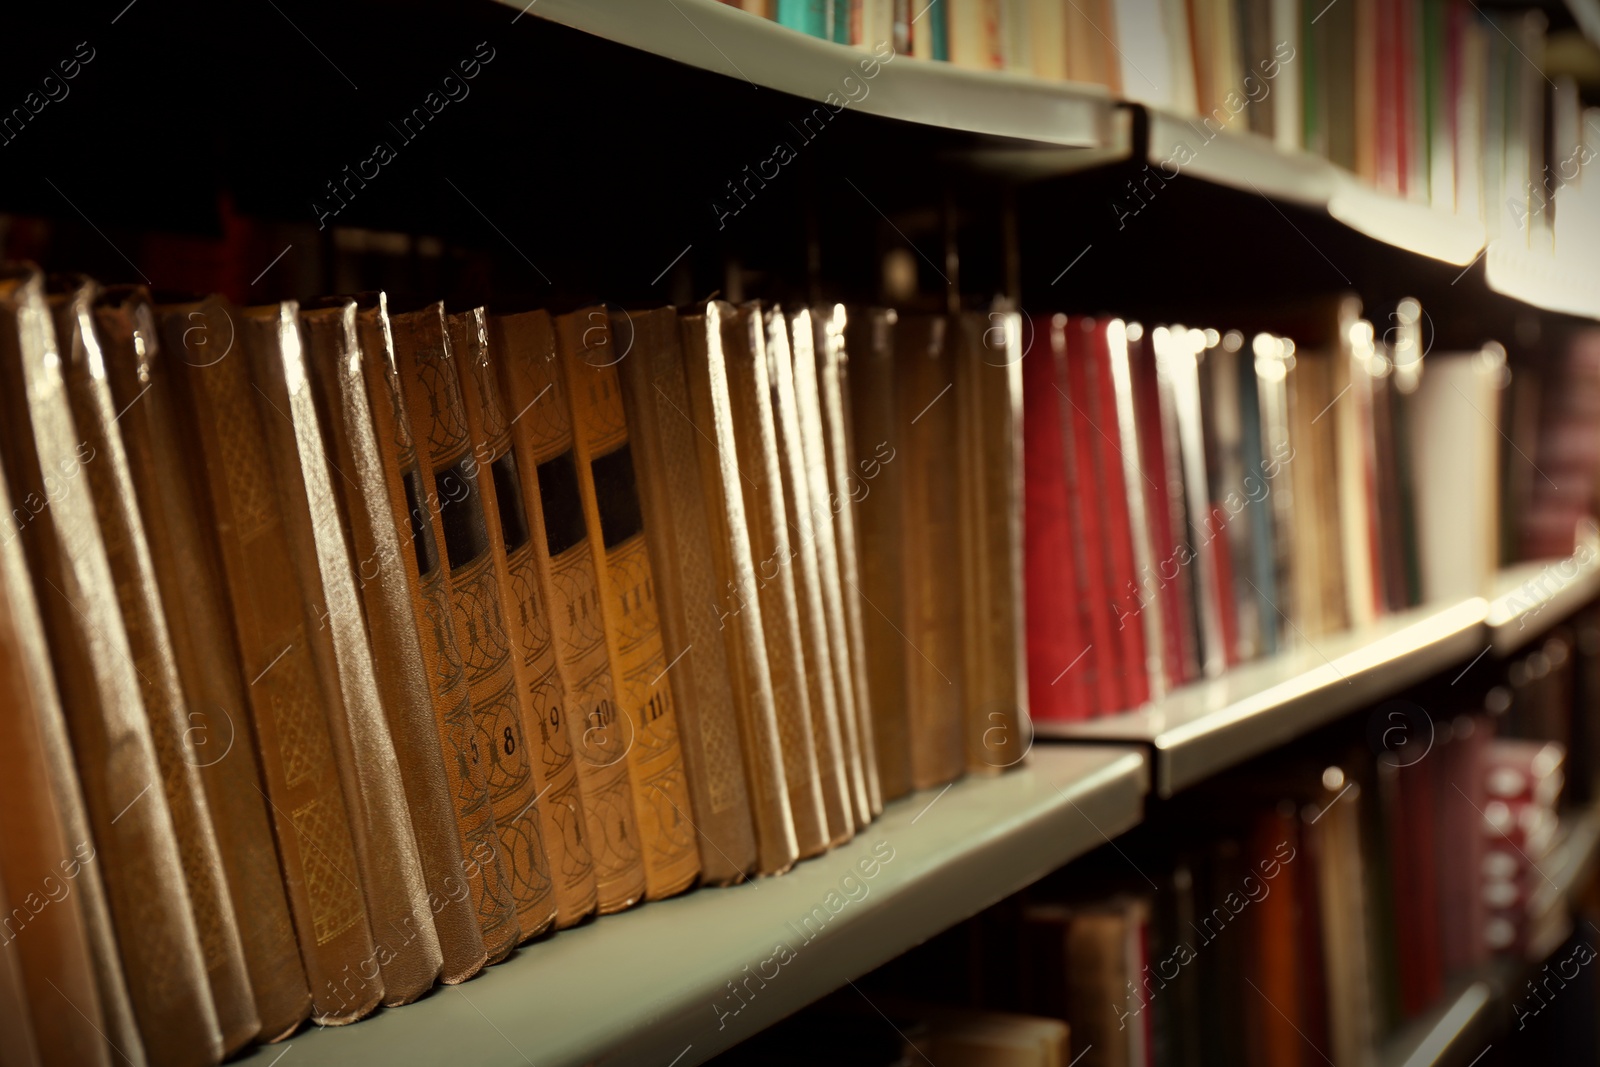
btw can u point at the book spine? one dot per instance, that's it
(110, 486)
(432, 385)
(334, 354)
(655, 394)
(414, 503)
(926, 417)
(100, 693)
(542, 435)
(617, 539)
(822, 692)
(188, 577)
(555, 772)
(839, 459)
(750, 396)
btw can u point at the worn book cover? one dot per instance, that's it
(544, 692)
(334, 365)
(617, 537)
(541, 427)
(432, 388)
(414, 503)
(132, 831)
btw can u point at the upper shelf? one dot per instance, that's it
(1532, 597)
(654, 986)
(720, 38)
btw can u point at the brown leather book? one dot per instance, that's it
(817, 526)
(542, 436)
(655, 395)
(544, 695)
(45, 848)
(432, 388)
(216, 733)
(833, 399)
(334, 361)
(816, 642)
(926, 423)
(17, 1045)
(99, 688)
(110, 485)
(617, 539)
(735, 603)
(227, 454)
(877, 485)
(989, 475)
(412, 498)
(407, 947)
(744, 350)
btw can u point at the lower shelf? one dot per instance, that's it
(655, 985)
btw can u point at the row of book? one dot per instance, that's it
(1432, 100)
(1298, 912)
(1197, 499)
(348, 649)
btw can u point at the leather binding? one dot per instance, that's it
(989, 475)
(431, 385)
(818, 524)
(132, 835)
(17, 1045)
(774, 596)
(838, 459)
(45, 846)
(555, 773)
(743, 635)
(414, 502)
(227, 454)
(188, 577)
(877, 491)
(617, 539)
(655, 394)
(822, 673)
(542, 434)
(110, 486)
(1318, 577)
(926, 432)
(334, 360)
(405, 943)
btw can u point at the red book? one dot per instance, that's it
(1088, 498)
(1057, 689)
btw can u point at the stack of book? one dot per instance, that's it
(347, 650)
(1433, 100)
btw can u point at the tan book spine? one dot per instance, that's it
(833, 402)
(227, 454)
(110, 732)
(744, 346)
(542, 435)
(926, 417)
(404, 940)
(544, 694)
(709, 411)
(627, 602)
(45, 849)
(188, 577)
(989, 406)
(816, 644)
(879, 473)
(816, 525)
(110, 486)
(432, 387)
(413, 499)
(334, 358)
(655, 395)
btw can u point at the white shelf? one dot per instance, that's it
(1540, 280)
(1206, 727)
(725, 40)
(640, 987)
(1530, 598)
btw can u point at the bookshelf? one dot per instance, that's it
(640, 986)
(1530, 598)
